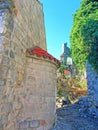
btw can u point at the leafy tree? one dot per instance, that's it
(84, 35)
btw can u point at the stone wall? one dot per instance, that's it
(89, 104)
(40, 93)
(21, 27)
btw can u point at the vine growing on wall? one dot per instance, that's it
(84, 35)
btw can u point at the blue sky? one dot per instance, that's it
(58, 17)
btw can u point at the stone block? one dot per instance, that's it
(5, 61)
(2, 90)
(42, 122)
(23, 125)
(1, 125)
(4, 119)
(10, 126)
(17, 105)
(12, 54)
(2, 82)
(29, 60)
(6, 108)
(11, 116)
(34, 124)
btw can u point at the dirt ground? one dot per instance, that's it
(69, 118)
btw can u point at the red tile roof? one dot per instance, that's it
(66, 72)
(39, 52)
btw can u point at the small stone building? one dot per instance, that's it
(40, 86)
(27, 76)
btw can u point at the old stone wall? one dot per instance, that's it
(21, 27)
(89, 104)
(40, 91)
(92, 78)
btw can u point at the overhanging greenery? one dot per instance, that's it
(84, 35)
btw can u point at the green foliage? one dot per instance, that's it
(71, 87)
(84, 35)
(61, 69)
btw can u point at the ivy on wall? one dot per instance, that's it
(84, 35)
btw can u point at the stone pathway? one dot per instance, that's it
(68, 118)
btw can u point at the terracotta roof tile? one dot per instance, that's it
(66, 71)
(39, 52)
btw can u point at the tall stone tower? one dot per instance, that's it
(25, 97)
(65, 53)
(24, 20)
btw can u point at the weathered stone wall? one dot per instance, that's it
(40, 93)
(92, 78)
(21, 27)
(89, 104)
